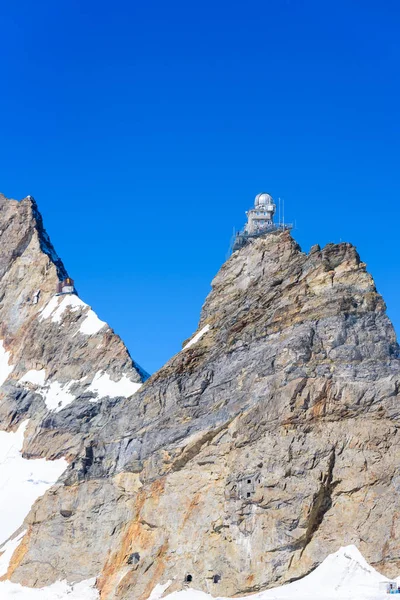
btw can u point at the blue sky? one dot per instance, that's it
(145, 129)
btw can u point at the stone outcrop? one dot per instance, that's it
(56, 355)
(248, 458)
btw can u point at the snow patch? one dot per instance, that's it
(60, 590)
(102, 385)
(56, 308)
(344, 575)
(70, 301)
(159, 590)
(197, 337)
(48, 309)
(92, 324)
(22, 481)
(33, 376)
(5, 367)
(57, 395)
(7, 550)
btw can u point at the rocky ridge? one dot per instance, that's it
(59, 364)
(248, 458)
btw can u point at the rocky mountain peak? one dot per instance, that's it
(269, 441)
(22, 224)
(55, 350)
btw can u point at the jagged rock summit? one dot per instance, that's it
(263, 446)
(57, 357)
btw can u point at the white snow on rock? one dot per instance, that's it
(103, 385)
(344, 575)
(48, 309)
(92, 324)
(70, 301)
(57, 306)
(197, 337)
(159, 590)
(5, 367)
(60, 590)
(57, 395)
(7, 550)
(33, 376)
(22, 481)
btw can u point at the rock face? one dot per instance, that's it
(60, 366)
(248, 458)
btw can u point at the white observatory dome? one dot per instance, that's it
(263, 200)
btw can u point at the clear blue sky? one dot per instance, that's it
(145, 129)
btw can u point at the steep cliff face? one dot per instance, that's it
(60, 366)
(272, 440)
(267, 443)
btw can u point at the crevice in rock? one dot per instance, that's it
(193, 450)
(321, 504)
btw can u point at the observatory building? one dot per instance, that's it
(65, 287)
(260, 221)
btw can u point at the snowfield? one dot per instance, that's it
(33, 376)
(344, 575)
(58, 591)
(22, 481)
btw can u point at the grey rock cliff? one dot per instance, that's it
(251, 455)
(59, 354)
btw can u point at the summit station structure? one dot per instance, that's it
(260, 221)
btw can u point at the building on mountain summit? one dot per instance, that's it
(260, 221)
(66, 287)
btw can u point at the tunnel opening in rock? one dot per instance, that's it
(133, 558)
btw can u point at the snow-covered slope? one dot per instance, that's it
(60, 590)
(344, 575)
(22, 481)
